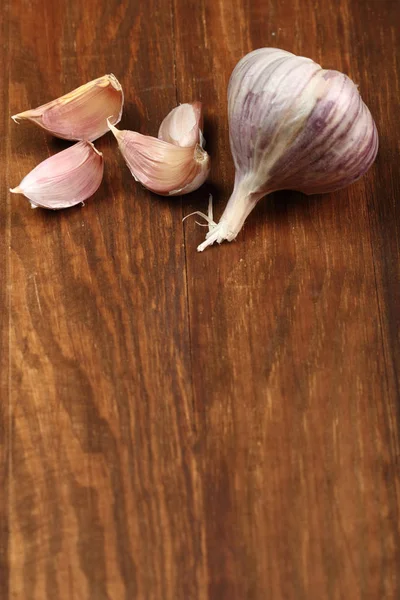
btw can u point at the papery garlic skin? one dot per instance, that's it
(161, 167)
(65, 179)
(81, 114)
(292, 125)
(183, 126)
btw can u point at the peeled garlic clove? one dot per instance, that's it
(82, 114)
(292, 125)
(183, 126)
(65, 179)
(161, 167)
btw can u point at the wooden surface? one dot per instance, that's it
(175, 425)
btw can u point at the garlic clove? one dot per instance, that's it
(65, 179)
(161, 167)
(183, 126)
(81, 114)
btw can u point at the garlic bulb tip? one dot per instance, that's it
(95, 149)
(112, 128)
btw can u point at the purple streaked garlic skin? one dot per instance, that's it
(292, 125)
(81, 114)
(65, 179)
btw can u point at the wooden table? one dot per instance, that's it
(176, 425)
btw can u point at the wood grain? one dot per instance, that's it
(213, 426)
(5, 440)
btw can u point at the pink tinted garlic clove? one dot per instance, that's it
(183, 126)
(65, 179)
(161, 167)
(81, 114)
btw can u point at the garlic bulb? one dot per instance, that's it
(292, 125)
(65, 179)
(81, 114)
(183, 125)
(162, 167)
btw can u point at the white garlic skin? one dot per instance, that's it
(292, 125)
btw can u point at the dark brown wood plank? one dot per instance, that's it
(214, 426)
(295, 328)
(104, 500)
(4, 312)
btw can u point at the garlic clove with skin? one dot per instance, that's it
(161, 167)
(183, 126)
(81, 114)
(65, 179)
(292, 125)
